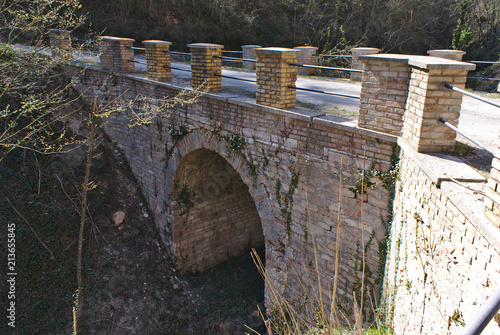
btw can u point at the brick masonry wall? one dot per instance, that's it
(444, 259)
(383, 96)
(274, 75)
(158, 60)
(290, 163)
(492, 199)
(206, 68)
(117, 54)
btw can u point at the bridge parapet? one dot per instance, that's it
(117, 54)
(275, 76)
(307, 56)
(405, 95)
(60, 42)
(205, 66)
(158, 60)
(492, 198)
(249, 53)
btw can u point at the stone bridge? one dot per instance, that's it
(229, 173)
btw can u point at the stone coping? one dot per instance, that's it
(445, 52)
(205, 46)
(276, 51)
(423, 62)
(116, 39)
(461, 184)
(306, 48)
(442, 167)
(294, 113)
(366, 49)
(156, 42)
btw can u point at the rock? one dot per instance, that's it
(118, 217)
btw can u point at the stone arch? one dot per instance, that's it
(217, 211)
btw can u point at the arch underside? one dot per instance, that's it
(215, 217)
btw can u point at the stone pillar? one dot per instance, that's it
(205, 67)
(307, 56)
(60, 42)
(492, 198)
(448, 54)
(405, 95)
(158, 60)
(384, 89)
(117, 54)
(429, 100)
(274, 75)
(249, 53)
(357, 64)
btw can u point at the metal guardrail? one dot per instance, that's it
(176, 68)
(325, 68)
(481, 62)
(484, 78)
(477, 97)
(324, 92)
(484, 315)
(233, 59)
(179, 53)
(140, 49)
(446, 123)
(232, 52)
(236, 78)
(135, 61)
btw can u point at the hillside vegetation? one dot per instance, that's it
(409, 26)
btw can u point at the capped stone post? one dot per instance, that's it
(492, 198)
(60, 42)
(275, 76)
(158, 60)
(307, 56)
(117, 54)
(384, 90)
(357, 64)
(249, 53)
(447, 54)
(205, 67)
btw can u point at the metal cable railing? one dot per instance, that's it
(483, 316)
(477, 97)
(325, 92)
(232, 52)
(481, 62)
(176, 68)
(484, 78)
(135, 61)
(233, 59)
(179, 53)
(236, 78)
(325, 68)
(140, 49)
(446, 123)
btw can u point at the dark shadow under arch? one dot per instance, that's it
(215, 217)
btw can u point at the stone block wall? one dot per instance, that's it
(60, 42)
(249, 53)
(158, 60)
(406, 95)
(307, 56)
(384, 91)
(291, 165)
(117, 54)
(357, 63)
(444, 257)
(206, 68)
(275, 76)
(492, 198)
